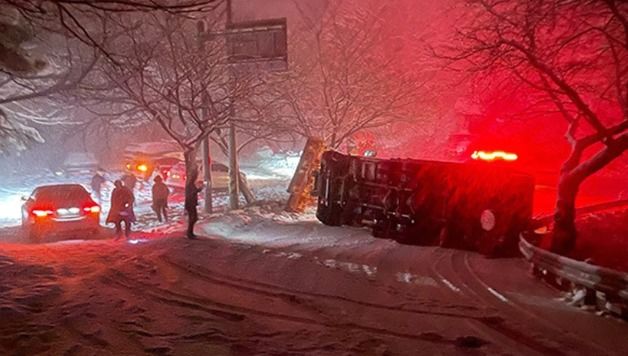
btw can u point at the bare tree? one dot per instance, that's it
(160, 74)
(47, 47)
(346, 74)
(575, 54)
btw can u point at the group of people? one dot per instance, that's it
(123, 199)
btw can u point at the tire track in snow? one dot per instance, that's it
(240, 313)
(459, 263)
(266, 289)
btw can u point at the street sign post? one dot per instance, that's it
(261, 45)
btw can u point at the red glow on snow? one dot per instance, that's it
(494, 155)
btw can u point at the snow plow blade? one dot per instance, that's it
(477, 206)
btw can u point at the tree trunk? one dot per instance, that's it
(572, 175)
(245, 190)
(244, 185)
(234, 170)
(564, 233)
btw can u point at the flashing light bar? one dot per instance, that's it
(494, 155)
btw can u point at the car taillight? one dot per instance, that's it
(92, 209)
(42, 213)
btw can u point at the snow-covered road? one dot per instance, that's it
(265, 282)
(532, 317)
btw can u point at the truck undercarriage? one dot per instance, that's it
(479, 206)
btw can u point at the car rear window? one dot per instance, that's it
(61, 193)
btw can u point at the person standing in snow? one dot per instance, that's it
(160, 198)
(121, 209)
(96, 184)
(192, 188)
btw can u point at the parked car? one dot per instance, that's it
(220, 176)
(145, 167)
(61, 209)
(80, 163)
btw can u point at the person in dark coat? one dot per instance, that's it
(160, 198)
(121, 209)
(96, 184)
(192, 188)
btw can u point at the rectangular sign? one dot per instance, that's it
(258, 41)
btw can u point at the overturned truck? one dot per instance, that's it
(480, 206)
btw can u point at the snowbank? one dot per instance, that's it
(603, 239)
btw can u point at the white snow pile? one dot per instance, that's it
(229, 223)
(270, 165)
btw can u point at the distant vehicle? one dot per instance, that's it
(476, 205)
(144, 167)
(61, 209)
(220, 176)
(80, 163)
(149, 158)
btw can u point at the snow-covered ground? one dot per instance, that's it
(263, 281)
(280, 284)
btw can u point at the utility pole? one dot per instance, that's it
(234, 174)
(234, 170)
(207, 172)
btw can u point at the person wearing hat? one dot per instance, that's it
(160, 198)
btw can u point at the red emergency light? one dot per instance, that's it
(494, 155)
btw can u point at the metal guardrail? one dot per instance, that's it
(612, 283)
(595, 279)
